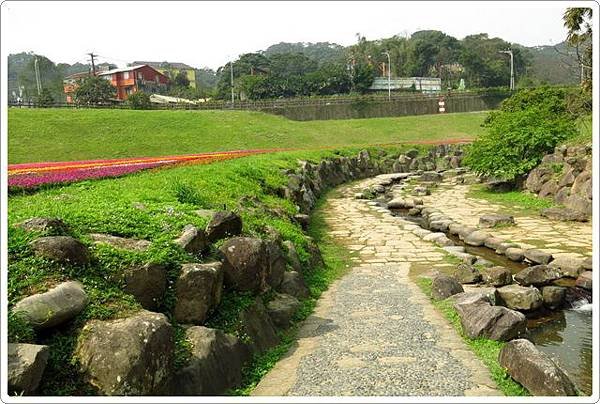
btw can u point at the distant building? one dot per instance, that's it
(127, 81)
(172, 69)
(423, 84)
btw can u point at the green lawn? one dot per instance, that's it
(76, 134)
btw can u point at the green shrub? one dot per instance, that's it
(139, 100)
(528, 125)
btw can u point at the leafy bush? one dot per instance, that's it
(528, 125)
(139, 100)
(45, 99)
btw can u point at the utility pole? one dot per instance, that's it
(37, 75)
(232, 95)
(389, 69)
(512, 68)
(93, 64)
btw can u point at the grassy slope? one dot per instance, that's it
(153, 205)
(72, 134)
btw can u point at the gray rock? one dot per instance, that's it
(303, 220)
(497, 276)
(587, 263)
(282, 308)
(26, 364)
(44, 224)
(198, 292)
(454, 228)
(147, 283)
(292, 256)
(564, 214)
(293, 284)
(467, 274)
(492, 242)
(216, 363)
(444, 286)
(54, 307)
(120, 242)
(245, 263)
(585, 280)
(315, 259)
(477, 238)
(535, 370)
(515, 254)
(431, 176)
(538, 256)
(502, 247)
(277, 263)
(553, 296)
(520, 297)
(400, 203)
(568, 265)
(193, 240)
(62, 249)
(549, 188)
(496, 220)
(259, 328)
(223, 224)
(537, 275)
(129, 356)
(480, 319)
(465, 231)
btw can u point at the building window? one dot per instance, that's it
(125, 75)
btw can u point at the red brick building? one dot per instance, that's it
(127, 80)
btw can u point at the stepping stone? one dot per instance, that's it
(120, 242)
(495, 220)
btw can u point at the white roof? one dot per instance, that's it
(123, 69)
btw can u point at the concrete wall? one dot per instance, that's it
(384, 108)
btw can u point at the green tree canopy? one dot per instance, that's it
(94, 90)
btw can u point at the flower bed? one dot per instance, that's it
(31, 175)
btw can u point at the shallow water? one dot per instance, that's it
(566, 336)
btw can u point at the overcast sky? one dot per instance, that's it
(209, 33)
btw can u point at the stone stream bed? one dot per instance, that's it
(565, 333)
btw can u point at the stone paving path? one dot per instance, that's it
(373, 332)
(555, 237)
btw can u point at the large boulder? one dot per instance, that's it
(497, 276)
(62, 249)
(431, 176)
(315, 258)
(129, 356)
(496, 220)
(245, 263)
(537, 275)
(259, 327)
(193, 240)
(223, 224)
(520, 297)
(282, 308)
(54, 307)
(553, 296)
(480, 319)
(198, 292)
(277, 263)
(293, 284)
(538, 256)
(26, 364)
(585, 280)
(466, 273)
(535, 370)
(292, 256)
(568, 265)
(44, 224)
(215, 366)
(444, 286)
(120, 242)
(147, 283)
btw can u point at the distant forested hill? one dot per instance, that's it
(321, 52)
(554, 64)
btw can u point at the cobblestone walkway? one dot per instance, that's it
(555, 237)
(374, 332)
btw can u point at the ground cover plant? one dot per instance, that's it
(155, 206)
(40, 135)
(523, 201)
